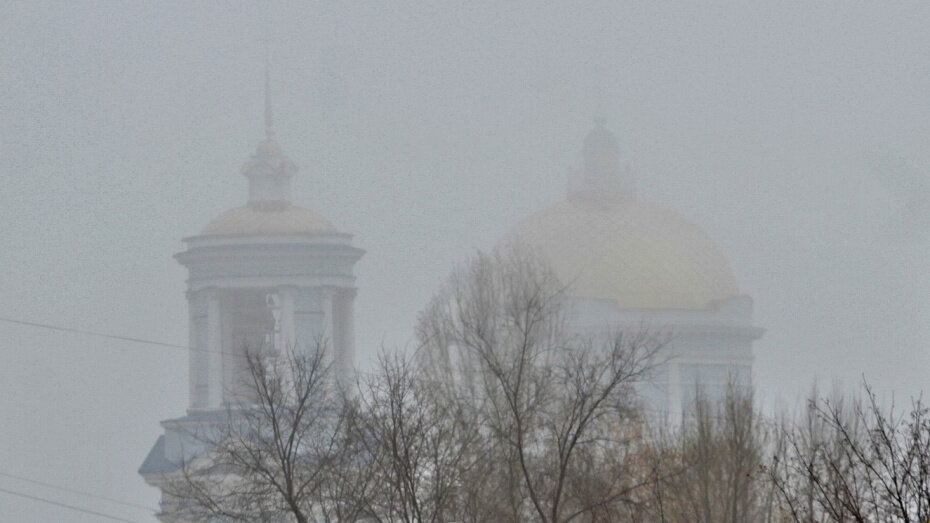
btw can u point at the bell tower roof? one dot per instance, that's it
(269, 211)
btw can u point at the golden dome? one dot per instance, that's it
(272, 218)
(637, 254)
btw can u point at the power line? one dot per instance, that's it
(119, 337)
(111, 336)
(65, 505)
(94, 333)
(74, 491)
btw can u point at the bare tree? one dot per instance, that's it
(419, 446)
(505, 415)
(813, 471)
(710, 469)
(855, 460)
(278, 453)
(551, 403)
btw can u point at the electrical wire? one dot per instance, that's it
(65, 505)
(94, 333)
(79, 492)
(111, 336)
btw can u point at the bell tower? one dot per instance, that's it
(265, 276)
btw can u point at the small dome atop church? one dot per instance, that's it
(269, 218)
(268, 147)
(600, 146)
(602, 176)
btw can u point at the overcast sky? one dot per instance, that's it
(794, 133)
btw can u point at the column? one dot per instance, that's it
(345, 329)
(215, 350)
(328, 296)
(287, 318)
(674, 395)
(197, 341)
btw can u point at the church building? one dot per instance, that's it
(272, 275)
(631, 265)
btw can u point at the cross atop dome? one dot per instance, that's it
(269, 123)
(269, 172)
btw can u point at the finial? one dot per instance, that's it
(269, 124)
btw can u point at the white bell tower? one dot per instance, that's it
(268, 276)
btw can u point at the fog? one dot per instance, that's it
(793, 133)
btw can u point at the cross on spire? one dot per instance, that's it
(269, 123)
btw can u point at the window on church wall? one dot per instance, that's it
(249, 324)
(251, 321)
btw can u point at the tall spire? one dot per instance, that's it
(268, 170)
(269, 123)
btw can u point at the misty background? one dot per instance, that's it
(794, 133)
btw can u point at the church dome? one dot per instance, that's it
(637, 254)
(603, 243)
(269, 218)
